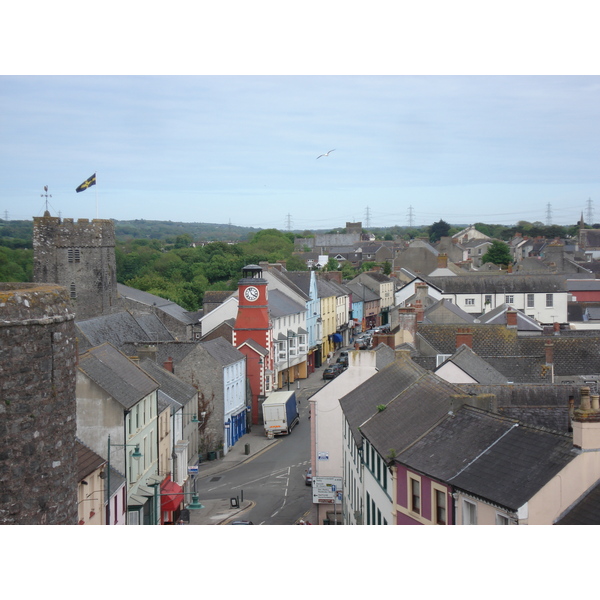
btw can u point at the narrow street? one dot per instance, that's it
(273, 480)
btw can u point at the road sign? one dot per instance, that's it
(326, 490)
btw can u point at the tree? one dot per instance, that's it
(438, 230)
(332, 264)
(498, 253)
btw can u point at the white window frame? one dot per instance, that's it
(282, 350)
(411, 505)
(530, 300)
(469, 301)
(502, 519)
(469, 507)
(302, 343)
(549, 300)
(435, 489)
(509, 299)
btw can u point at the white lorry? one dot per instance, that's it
(280, 413)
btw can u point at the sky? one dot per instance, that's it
(244, 149)
(453, 111)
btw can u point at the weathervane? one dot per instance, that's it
(46, 195)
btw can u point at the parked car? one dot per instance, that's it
(330, 372)
(241, 523)
(308, 476)
(342, 360)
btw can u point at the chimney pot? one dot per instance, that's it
(585, 403)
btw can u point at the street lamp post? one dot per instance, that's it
(136, 455)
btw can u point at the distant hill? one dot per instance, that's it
(20, 233)
(200, 232)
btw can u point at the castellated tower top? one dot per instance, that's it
(79, 255)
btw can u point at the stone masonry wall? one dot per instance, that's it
(38, 458)
(80, 253)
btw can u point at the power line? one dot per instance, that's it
(410, 217)
(367, 218)
(549, 214)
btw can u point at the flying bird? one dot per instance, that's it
(326, 154)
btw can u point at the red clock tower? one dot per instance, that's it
(254, 324)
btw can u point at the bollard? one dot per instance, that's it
(247, 449)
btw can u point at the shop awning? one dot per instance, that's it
(336, 337)
(173, 497)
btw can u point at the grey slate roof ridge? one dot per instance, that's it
(169, 383)
(222, 351)
(124, 391)
(286, 280)
(281, 305)
(475, 366)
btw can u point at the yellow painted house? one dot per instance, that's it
(328, 302)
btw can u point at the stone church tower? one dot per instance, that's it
(80, 256)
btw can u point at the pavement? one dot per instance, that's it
(223, 511)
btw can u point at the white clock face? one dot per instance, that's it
(251, 293)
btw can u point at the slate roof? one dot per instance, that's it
(361, 403)
(538, 404)
(455, 442)
(292, 279)
(378, 277)
(120, 328)
(410, 413)
(498, 316)
(583, 285)
(586, 511)
(458, 314)
(501, 283)
(519, 358)
(325, 289)
(474, 366)
(589, 238)
(118, 376)
(361, 293)
(87, 460)
(517, 466)
(222, 351)
(281, 305)
(496, 459)
(170, 384)
(171, 308)
(300, 279)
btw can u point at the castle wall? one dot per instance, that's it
(38, 457)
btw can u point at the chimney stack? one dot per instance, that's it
(168, 365)
(407, 324)
(549, 346)
(442, 261)
(464, 335)
(511, 317)
(419, 311)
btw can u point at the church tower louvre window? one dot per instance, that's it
(73, 290)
